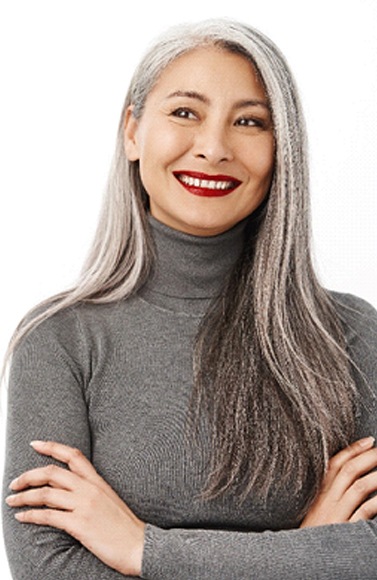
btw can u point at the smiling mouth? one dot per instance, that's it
(207, 185)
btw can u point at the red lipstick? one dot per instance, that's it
(206, 185)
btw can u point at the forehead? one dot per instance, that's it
(210, 69)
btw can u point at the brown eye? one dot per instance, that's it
(183, 113)
(249, 122)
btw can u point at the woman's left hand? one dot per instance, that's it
(78, 501)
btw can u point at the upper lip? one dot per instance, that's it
(206, 176)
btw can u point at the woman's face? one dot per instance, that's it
(204, 142)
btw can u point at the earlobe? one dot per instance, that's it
(130, 135)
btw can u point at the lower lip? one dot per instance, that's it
(204, 192)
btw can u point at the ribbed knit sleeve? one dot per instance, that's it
(338, 552)
(46, 400)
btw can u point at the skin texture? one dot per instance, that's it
(81, 503)
(346, 487)
(203, 111)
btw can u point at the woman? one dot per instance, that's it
(200, 274)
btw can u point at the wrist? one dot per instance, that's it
(136, 558)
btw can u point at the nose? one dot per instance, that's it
(213, 144)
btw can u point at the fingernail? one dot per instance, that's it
(19, 516)
(367, 442)
(9, 500)
(13, 483)
(37, 443)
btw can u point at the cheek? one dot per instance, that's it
(158, 158)
(261, 160)
(161, 145)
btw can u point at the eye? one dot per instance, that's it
(183, 113)
(249, 122)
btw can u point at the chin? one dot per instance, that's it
(208, 227)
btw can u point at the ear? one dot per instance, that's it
(130, 135)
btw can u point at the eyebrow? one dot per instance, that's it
(238, 105)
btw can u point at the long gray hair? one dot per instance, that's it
(270, 363)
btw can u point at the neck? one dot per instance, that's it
(191, 270)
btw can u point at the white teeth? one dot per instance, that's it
(205, 183)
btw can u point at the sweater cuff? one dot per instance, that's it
(164, 549)
(153, 538)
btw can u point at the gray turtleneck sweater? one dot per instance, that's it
(115, 381)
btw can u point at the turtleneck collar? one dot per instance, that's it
(190, 270)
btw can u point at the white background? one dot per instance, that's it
(65, 67)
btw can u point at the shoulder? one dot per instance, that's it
(70, 322)
(69, 332)
(352, 302)
(358, 317)
(73, 340)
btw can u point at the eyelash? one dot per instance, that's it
(188, 114)
(183, 113)
(254, 122)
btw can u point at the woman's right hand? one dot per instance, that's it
(347, 486)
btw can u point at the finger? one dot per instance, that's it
(45, 517)
(361, 489)
(44, 496)
(355, 496)
(76, 461)
(354, 450)
(73, 457)
(349, 464)
(352, 471)
(50, 475)
(366, 511)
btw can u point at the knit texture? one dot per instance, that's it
(115, 380)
